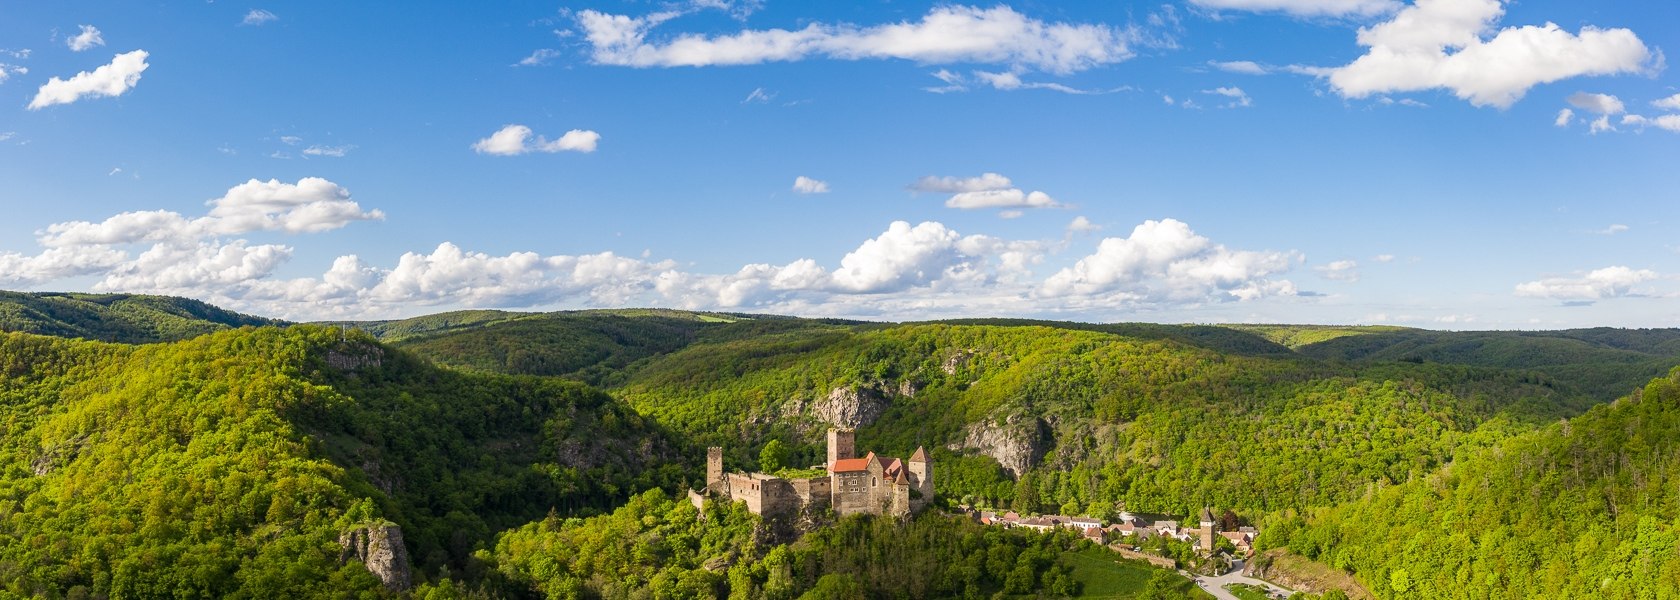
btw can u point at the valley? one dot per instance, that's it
(511, 454)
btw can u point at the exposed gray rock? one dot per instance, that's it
(956, 360)
(1018, 444)
(380, 548)
(355, 356)
(850, 407)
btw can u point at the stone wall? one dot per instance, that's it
(816, 492)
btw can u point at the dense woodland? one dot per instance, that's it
(1582, 508)
(544, 454)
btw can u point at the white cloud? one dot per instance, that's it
(516, 139)
(1164, 261)
(806, 185)
(258, 16)
(188, 256)
(1081, 224)
(1668, 122)
(1341, 270)
(7, 71)
(88, 38)
(311, 205)
(1669, 103)
(1305, 8)
(1612, 229)
(1009, 81)
(758, 95)
(290, 140)
(1603, 104)
(538, 58)
(1564, 117)
(946, 34)
(110, 80)
(955, 185)
(1384, 258)
(1242, 67)
(1608, 282)
(1239, 98)
(330, 151)
(987, 191)
(1010, 198)
(1439, 44)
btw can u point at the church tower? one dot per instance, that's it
(841, 445)
(1208, 532)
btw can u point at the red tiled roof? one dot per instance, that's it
(848, 465)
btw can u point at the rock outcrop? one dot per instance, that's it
(380, 548)
(351, 357)
(850, 407)
(1017, 444)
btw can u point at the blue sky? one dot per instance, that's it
(1462, 164)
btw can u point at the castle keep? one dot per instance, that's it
(870, 484)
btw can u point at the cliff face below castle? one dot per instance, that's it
(380, 549)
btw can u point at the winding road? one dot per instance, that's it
(1216, 585)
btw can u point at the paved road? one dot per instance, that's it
(1216, 585)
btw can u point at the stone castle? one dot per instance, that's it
(871, 484)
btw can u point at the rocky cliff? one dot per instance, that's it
(380, 549)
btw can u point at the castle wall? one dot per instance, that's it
(764, 494)
(816, 492)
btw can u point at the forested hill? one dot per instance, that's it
(231, 464)
(127, 318)
(1585, 508)
(1604, 362)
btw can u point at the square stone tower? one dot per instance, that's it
(714, 469)
(842, 444)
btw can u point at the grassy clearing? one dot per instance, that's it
(1102, 574)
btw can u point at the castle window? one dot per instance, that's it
(872, 482)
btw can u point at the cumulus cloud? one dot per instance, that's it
(7, 71)
(188, 256)
(258, 16)
(1341, 270)
(806, 185)
(1441, 44)
(113, 79)
(1081, 224)
(1305, 8)
(88, 38)
(1164, 261)
(1603, 104)
(1564, 117)
(955, 185)
(1010, 198)
(513, 140)
(1600, 284)
(987, 191)
(311, 205)
(946, 34)
(1669, 103)
(1666, 122)
(1239, 98)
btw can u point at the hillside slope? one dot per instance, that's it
(232, 463)
(1585, 508)
(1087, 421)
(126, 318)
